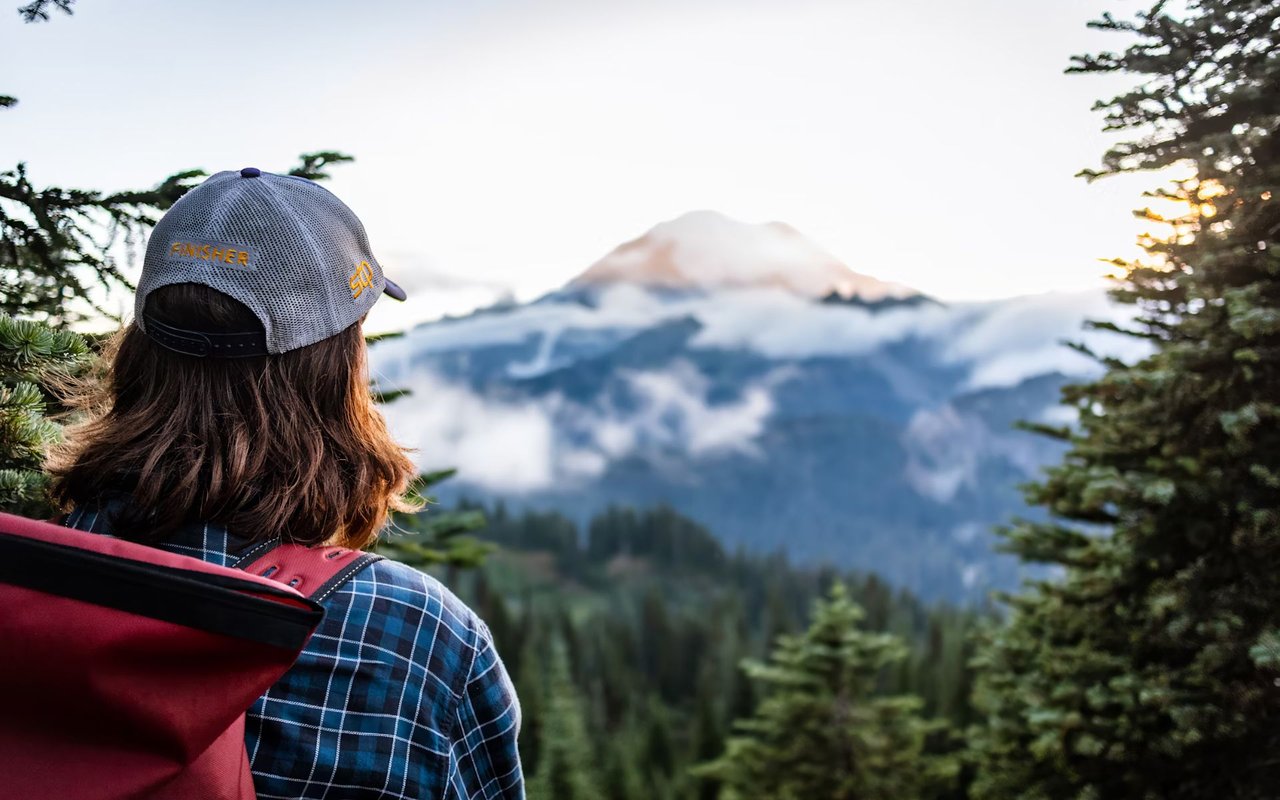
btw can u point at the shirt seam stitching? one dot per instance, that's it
(458, 697)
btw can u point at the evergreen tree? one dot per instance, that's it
(657, 750)
(620, 771)
(431, 537)
(565, 768)
(708, 741)
(531, 683)
(29, 353)
(820, 730)
(1151, 668)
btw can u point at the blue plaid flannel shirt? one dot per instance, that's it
(398, 694)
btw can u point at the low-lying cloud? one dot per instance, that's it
(539, 443)
(507, 446)
(946, 449)
(1007, 342)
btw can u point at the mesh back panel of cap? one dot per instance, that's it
(302, 272)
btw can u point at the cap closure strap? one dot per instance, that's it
(205, 344)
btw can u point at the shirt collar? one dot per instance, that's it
(208, 541)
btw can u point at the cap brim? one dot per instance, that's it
(392, 289)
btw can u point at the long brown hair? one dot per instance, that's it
(284, 445)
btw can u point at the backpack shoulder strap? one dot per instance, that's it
(316, 572)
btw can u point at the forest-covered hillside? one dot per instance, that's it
(626, 638)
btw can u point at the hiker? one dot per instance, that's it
(235, 414)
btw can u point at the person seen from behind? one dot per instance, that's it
(234, 413)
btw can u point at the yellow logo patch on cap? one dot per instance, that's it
(361, 279)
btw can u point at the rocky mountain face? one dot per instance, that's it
(749, 379)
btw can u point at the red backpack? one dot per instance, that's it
(127, 670)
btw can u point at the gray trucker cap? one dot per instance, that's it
(282, 245)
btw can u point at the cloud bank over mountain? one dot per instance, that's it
(1001, 343)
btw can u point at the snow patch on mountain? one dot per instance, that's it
(708, 250)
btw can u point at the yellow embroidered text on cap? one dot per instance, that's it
(209, 252)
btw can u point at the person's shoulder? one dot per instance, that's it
(397, 587)
(411, 604)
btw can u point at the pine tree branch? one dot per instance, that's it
(38, 10)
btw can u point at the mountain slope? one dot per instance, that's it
(878, 436)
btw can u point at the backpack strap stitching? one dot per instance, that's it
(254, 551)
(337, 581)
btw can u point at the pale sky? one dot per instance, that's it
(504, 146)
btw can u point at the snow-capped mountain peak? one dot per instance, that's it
(708, 250)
